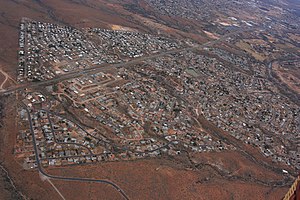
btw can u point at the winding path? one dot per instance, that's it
(6, 79)
(41, 170)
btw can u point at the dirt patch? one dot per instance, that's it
(162, 179)
(289, 76)
(247, 47)
(121, 28)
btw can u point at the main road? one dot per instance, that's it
(103, 67)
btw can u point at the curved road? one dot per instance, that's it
(71, 143)
(40, 168)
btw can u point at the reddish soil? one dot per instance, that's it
(238, 178)
(7, 84)
(161, 179)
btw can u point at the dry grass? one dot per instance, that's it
(245, 46)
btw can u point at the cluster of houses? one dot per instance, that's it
(240, 102)
(47, 50)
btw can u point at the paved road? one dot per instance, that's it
(104, 67)
(82, 128)
(138, 152)
(68, 143)
(40, 168)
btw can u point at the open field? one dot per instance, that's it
(289, 76)
(162, 181)
(246, 47)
